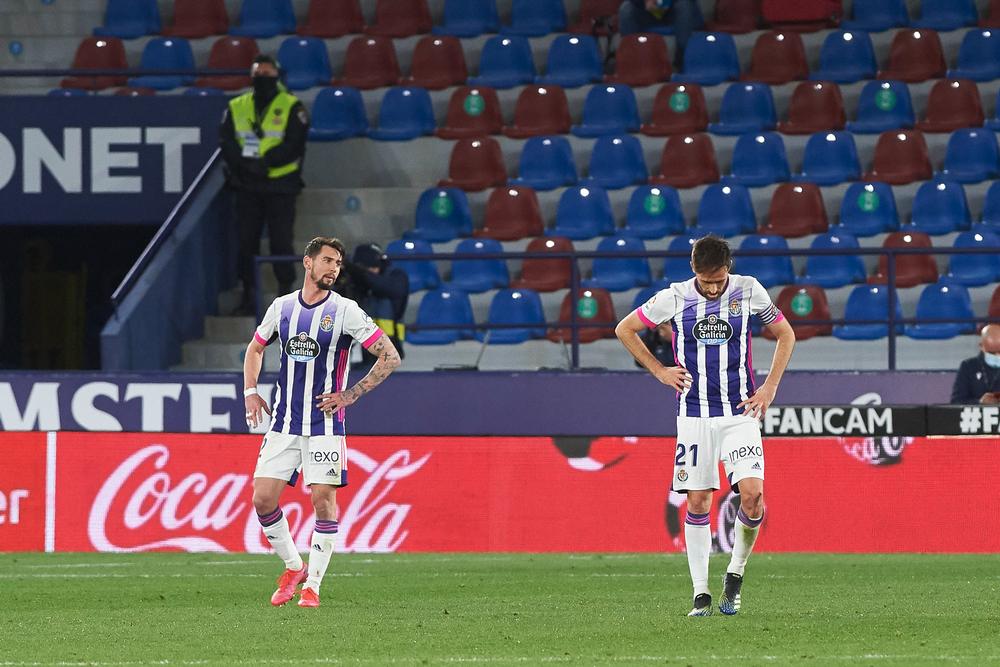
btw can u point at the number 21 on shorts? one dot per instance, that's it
(683, 449)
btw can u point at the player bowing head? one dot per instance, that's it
(711, 260)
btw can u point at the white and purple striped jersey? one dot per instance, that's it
(315, 357)
(712, 341)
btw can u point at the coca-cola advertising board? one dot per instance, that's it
(22, 491)
(139, 492)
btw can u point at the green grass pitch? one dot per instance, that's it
(497, 609)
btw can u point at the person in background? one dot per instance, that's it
(381, 289)
(978, 378)
(642, 15)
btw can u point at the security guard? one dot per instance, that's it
(263, 139)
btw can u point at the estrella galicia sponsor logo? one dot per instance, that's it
(712, 331)
(745, 452)
(682, 475)
(302, 348)
(326, 324)
(325, 457)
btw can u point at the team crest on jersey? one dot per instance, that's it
(682, 475)
(735, 308)
(302, 348)
(712, 331)
(326, 324)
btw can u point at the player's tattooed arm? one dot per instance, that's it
(387, 360)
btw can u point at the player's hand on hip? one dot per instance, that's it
(756, 406)
(674, 376)
(330, 403)
(256, 409)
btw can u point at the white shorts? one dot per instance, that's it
(704, 441)
(321, 458)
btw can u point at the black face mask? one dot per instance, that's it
(265, 86)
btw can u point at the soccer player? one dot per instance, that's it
(719, 407)
(315, 328)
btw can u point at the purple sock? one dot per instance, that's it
(271, 518)
(747, 521)
(697, 519)
(327, 527)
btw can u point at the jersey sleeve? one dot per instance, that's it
(659, 309)
(359, 326)
(267, 331)
(761, 304)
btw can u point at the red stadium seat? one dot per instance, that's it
(545, 275)
(400, 18)
(992, 20)
(802, 16)
(994, 308)
(777, 57)
(736, 16)
(679, 108)
(473, 111)
(370, 62)
(796, 210)
(688, 160)
(816, 106)
(911, 270)
(641, 60)
(900, 158)
(198, 18)
(803, 302)
(604, 314)
(332, 18)
(915, 56)
(230, 53)
(438, 63)
(512, 213)
(98, 53)
(592, 12)
(952, 104)
(475, 164)
(540, 110)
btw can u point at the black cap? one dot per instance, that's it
(369, 255)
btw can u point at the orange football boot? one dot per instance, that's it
(287, 583)
(308, 598)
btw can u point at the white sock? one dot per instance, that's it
(698, 537)
(746, 535)
(280, 537)
(320, 552)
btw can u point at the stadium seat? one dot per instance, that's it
(595, 307)
(972, 156)
(688, 160)
(830, 158)
(832, 271)
(915, 56)
(911, 270)
(442, 215)
(608, 109)
(710, 59)
(735, 16)
(596, 17)
(777, 58)
(71, 92)
(803, 302)
(679, 108)
(504, 63)
(815, 106)
(534, 18)
(900, 158)
(478, 275)
(867, 302)
(808, 16)
(641, 60)
(946, 14)
(617, 274)
(845, 57)
(725, 210)
(978, 56)
(422, 273)
(265, 18)
(939, 207)
(203, 92)
(230, 53)
(439, 307)
(654, 211)
(877, 15)
(332, 18)
(305, 62)
(198, 18)
(400, 18)
(991, 207)
(583, 213)
(758, 160)
(438, 63)
(134, 91)
(405, 113)
(867, 209)
(370, 62)
(129, 19)
(994, 122)
(338, 113)
(796, 210)
(512, 213)
(771, 271)
(165, 53)
(545, 275)
(539, 110)
(573, 61)
(475, 164)
(616, 162)
(515, 306)
(952, 104)
(993, 311)
(468, 18)
(975, 270)
(992, 19)
(746, 107)
(678, 269)
(942, 300)
(472, 112)
(98, 53)
(883, 106)
(546, 163)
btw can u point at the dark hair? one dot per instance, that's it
(711, 253)
(263, 58)
(314, 247)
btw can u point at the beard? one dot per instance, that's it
(323, 283)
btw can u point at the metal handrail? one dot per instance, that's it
(52, 72)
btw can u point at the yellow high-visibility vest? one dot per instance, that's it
(272, 126)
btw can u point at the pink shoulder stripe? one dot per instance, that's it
(779, 317)
(260, 339)
(371, 339)
(645, 320)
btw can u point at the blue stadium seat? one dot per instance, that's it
(972, 156)
(654, 211)
(758, 160)
(725, 210)
(710, 59)
(534, 18)
(770, 271)
(846, 57)
(573, 61)
(616, 162)
(70, 92)
(442, 215)
(647, 293)
(546, 163)
(991, 207)
(939, 207)
(619, 274)
(439, 307)
(975, 270)
(406, 113)
(504, 63)
(468, 18)
(609, 109)
(978, 56)
(128, 19)
(203, 92)
(678, 269)
(942, 300)
(165, 53)
(515, 306)
(830, 158)
(946, 14)
(305, 62)
(833, 270)
(866, 302)
(338, 113)
(478, 275)
(583, 213)
(884, 105)
(265, 18)
(867, 209)
(422, 273)
(877, 15)
(746, 107)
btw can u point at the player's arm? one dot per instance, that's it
(386, 361)
(628, 331)
(757, 405)
(253, 360)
